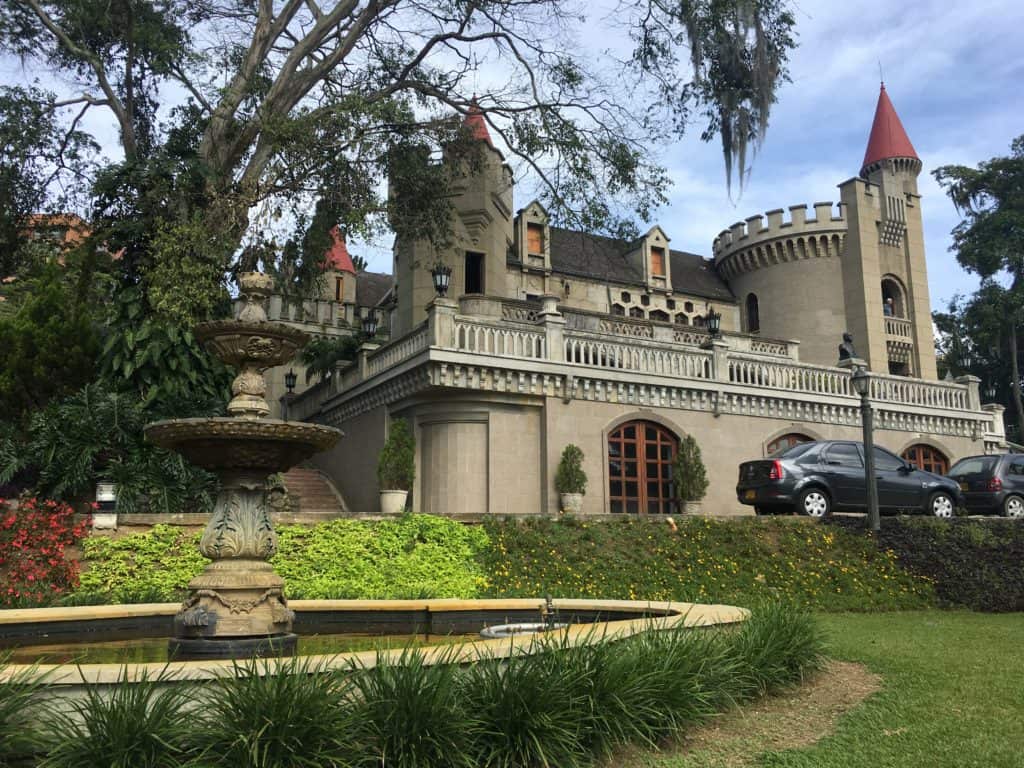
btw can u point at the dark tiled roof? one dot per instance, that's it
(371, 287)
(604, 258)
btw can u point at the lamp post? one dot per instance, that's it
(862, 386)
(442, 277)
(713, 322)
(289, 384)
(370, 324)
(990, 392)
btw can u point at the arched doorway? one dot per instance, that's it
(640, 456)
(927, 458)
(785, 441)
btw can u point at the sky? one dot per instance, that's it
(952, 70)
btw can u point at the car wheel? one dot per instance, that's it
(762, 511)
(941, 504)
(814, 502)
(1013, 506)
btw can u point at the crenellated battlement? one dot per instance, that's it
(772, 237)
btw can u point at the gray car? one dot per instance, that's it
(826, 476)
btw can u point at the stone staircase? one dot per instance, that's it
(313, 495)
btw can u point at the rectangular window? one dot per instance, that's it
(535, 239)
(474, 273)
(658, 262)
(339, 288)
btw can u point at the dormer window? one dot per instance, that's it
(657, 262)
(535, 239)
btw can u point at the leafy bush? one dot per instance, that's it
(155, 566)
(142, 724)
(737, 562)
(689, 476)
(570, 477)
(19, 735)
(971, 563)
(396, 467)
(415, 556)
(293, 715)
(34, 564)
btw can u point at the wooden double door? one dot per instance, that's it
(640, 458)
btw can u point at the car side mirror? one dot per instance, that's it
(906, 469)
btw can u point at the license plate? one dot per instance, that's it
(750, 495)
(963, 487)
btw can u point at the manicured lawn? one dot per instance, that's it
(952, 695)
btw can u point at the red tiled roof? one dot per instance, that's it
(888, 138)
(337, 258)
(477, 125)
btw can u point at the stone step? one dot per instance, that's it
(313, 493)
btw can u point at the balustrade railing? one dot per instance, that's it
(932, 394)
(398, 350)
(641, 358)
(795, 377)
(502, 339)
(897, 326)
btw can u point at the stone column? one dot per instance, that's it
(973, 390)
(364, 364)
(441, 322)
(554, 327)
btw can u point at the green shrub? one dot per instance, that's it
(971, 563)
(415, 556)
(736, 562)
(776, 647)
(396, 467)
(293, 716)
(141, 724)
(155, 566)
(19, 735)
(570, 477)
(689, 476)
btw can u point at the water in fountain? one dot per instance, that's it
(236, 607)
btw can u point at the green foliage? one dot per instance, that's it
(776, 648)
(142, 724)
(411, 714)
(97, 434)
(736, 562)
(975, 564)
(19, 733)
(396, 466)
(50, 345)
(570, 477)
(160, 361)
(322, 355)
(689, 475)
(293, 715)
(415, 556)
(151, 567)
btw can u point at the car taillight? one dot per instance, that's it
(995, 484)
(776, 472)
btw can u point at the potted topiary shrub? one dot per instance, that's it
(571, 480)
(689, 476)
(396, 467)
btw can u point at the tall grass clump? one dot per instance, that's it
(19, 737)
(776, 647)
(267, 714)
(139, 724)
(410, 714)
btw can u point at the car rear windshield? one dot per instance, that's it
(793, 451)
(974, 465)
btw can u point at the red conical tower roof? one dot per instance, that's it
(337, 258)
(476, 124)
(888, 138)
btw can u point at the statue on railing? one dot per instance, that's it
(846, 350)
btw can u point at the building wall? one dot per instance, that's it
(352, 463)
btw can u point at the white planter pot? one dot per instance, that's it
(572, 503)
(692, 508)
(392, 502)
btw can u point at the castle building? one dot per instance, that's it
(553, 336)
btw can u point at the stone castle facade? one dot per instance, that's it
(554, 337)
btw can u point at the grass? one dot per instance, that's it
(952, 697)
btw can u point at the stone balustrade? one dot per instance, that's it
(899, 327)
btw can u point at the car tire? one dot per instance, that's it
(941, 504)
(814, 502)
(761, 511)
(1013, 506)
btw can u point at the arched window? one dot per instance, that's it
(636, 312)
(927, 458)
(753, 314)
(788, 440)
(618, 309)
(893, 303)
(640, 456)
(682, 319)
(660, 315)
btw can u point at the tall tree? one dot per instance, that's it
(989, 242)
(289, 101)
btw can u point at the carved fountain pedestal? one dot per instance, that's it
(236, 607)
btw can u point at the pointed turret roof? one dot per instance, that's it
(337, 259)
(476, 124)
(888, 138)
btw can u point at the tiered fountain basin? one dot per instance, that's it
(438, 623)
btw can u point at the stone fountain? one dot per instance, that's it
(236, 607)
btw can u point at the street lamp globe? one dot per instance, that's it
(289, 380)
(370, 324)
(442, 276)
(861, 381)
